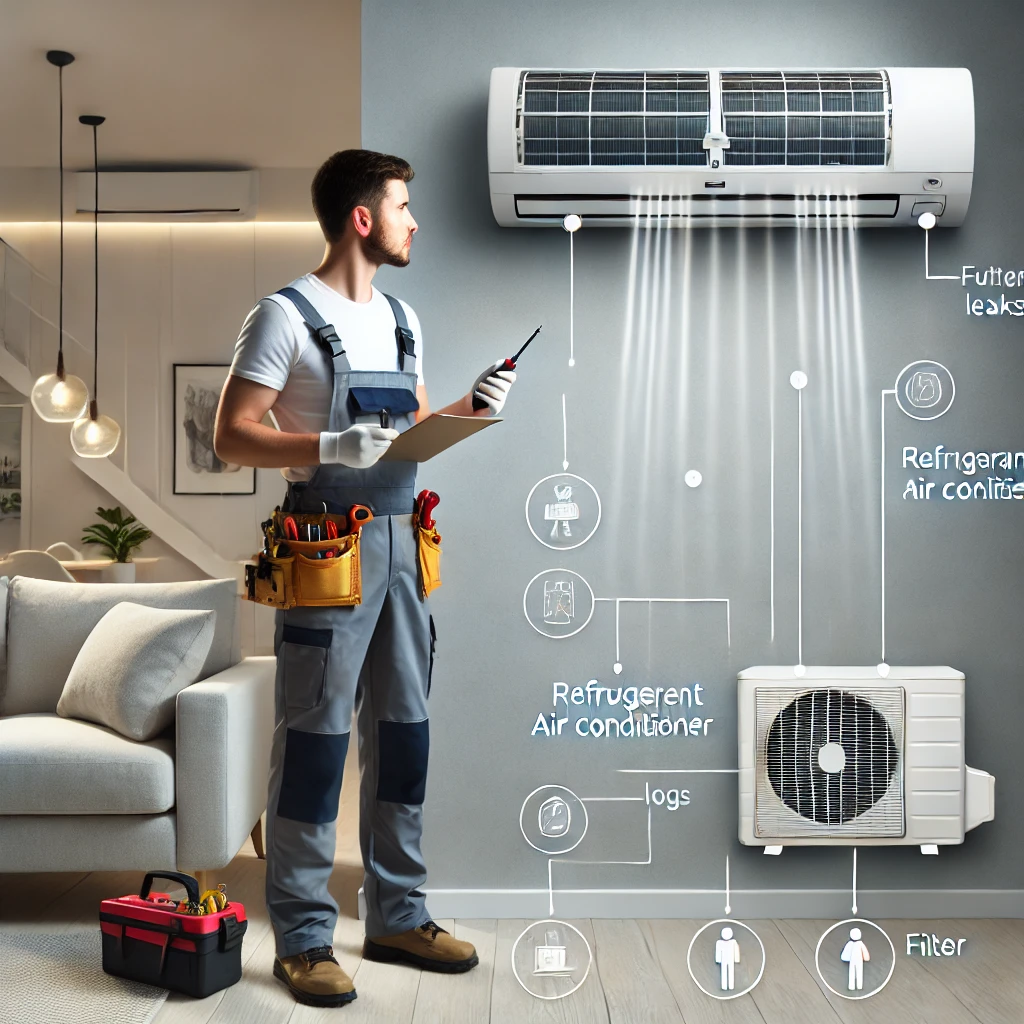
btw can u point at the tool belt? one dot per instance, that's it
(320, 573)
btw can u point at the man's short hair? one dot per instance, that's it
(351, 178)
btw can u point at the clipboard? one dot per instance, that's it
(433, 435)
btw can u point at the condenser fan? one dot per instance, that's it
(830, 756)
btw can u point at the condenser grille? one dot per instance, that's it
(829, 762)
(613, 118)
(805, 118)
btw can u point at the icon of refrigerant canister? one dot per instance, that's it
(553, 817)
(558, 602)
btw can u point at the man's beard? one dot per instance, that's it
(376, 249)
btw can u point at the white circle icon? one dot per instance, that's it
(847, 954)
(693, 478)
(723, 957)
(798, 379)
(553, 820)
(925, 390)
(551, 959)
(558, 603)
(563, 511)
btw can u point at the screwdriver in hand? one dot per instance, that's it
(508, 364)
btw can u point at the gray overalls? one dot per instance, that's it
(374, 657)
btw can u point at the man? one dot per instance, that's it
(373, 657)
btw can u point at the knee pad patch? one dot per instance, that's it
(402, 749)
(311, 778)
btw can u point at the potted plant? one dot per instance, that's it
(118, 536)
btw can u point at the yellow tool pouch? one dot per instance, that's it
(300, 578)
(327, 581)
(428, 545)
(269, 581)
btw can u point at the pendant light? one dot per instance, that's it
(60, 397)
(95, 436)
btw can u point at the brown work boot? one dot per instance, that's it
(315, 977)
(428, 946)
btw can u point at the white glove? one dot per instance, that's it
(493, 385)
(359, 447)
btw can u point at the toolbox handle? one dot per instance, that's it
(190, 884)
(231, 932)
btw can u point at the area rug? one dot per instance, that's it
(53, 975)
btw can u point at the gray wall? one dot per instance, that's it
(954, 569)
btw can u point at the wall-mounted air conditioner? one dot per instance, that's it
(844, 756)
(711, 147)
(171, 196)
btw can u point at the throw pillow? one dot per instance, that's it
(132, 665)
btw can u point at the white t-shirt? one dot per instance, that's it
(276, 348)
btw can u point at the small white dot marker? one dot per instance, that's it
(927, 221)
(572, 362)
(799, 670)
(798, 379)
(883, 669)
(693, 478)
(617, 668)
(572, 222)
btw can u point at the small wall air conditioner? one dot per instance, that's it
(843, 756)
(171, 196)
(708, 147)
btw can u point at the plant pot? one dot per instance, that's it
(118, 572)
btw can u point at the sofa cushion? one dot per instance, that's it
(132, 666)
(47, 623)
(53, 765)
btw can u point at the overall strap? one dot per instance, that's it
(322, 331)
(403, 336)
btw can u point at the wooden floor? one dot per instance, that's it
(639, 974)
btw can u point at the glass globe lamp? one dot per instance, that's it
(60, 397)
(95, 436)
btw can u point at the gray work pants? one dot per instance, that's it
(373, 658)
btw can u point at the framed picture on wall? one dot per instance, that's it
(197, 469)
(11, 417)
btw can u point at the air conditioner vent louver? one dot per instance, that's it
(614, 119)
(795, 792)
(805, 118)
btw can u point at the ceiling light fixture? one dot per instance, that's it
(60, 397)
(95, 436)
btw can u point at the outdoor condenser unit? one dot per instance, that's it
(843, 756)
(873, 147)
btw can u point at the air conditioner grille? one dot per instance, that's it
(797, 793)
(806, 119)
(614, 118)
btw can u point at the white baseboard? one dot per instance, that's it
(706, 904)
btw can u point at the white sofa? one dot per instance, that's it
(75, 796)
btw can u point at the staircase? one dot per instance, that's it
(25, 295)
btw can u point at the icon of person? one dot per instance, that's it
(855, 953)
(727, 953)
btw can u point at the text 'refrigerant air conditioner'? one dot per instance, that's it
(710, 147)
(171, 196)
(842, 756)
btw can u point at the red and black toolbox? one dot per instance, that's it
(146, 939)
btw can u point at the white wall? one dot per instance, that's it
(168, 293)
